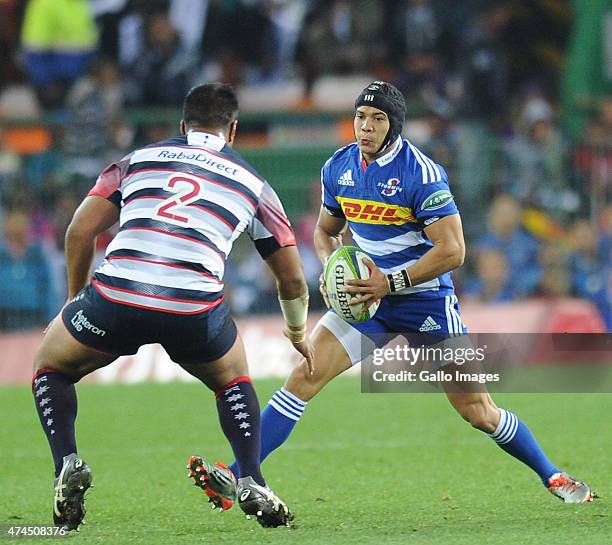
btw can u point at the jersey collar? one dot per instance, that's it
(387, 157)
(391, 154)
(206, 140)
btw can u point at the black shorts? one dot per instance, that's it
(117, 329)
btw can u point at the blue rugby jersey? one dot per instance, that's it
(183, 202)
(388, 204)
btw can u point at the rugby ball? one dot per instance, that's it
(346, 264)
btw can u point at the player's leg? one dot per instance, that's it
(504, 427)
(475, 405)
(515, 438)
(237, 405)
(331, 359)
(473, 402)
(211, 350)
(238, 409)
(286, 406)
(78, 341)
(338, 345)
(60, 362)
(89, 333)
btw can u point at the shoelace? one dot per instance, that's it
(59, 496)
(277, 503)
(565, 484)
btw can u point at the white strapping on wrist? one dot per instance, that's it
(295, 312)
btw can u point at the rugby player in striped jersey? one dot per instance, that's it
(180, 204)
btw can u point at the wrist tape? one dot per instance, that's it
(399, 280)
(295, 312)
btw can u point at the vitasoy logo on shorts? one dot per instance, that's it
(80, 322)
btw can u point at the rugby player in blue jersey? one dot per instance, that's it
(401, 212)
(180, 203)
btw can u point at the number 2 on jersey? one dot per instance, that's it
(188, 190)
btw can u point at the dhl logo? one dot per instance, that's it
(362, 211)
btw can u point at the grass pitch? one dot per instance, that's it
(359, 469)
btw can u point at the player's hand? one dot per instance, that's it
(301, 342)
(370, 290)
(323, 290)
(307, 350)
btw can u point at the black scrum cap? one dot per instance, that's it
(389, 99)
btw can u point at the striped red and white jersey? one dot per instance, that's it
(183, 202)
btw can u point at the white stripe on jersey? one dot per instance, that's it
(203, 220)
(433, 171)
(433, 284)
(390, 245)
(430, 171)
(206, 223)
(158, 275)
(203, 158)
(169, 246)
(420, 161)
(436, 168)
(154, 303)
(436, 175)
(144, 180)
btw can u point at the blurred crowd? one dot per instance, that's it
(464, 58)
(481, 80)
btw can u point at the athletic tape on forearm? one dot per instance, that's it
(295, 312)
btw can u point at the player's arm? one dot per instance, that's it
(327, 237)
(447, 253)
(94, 216)
(328, 234)
(275, 241)
(286, 267)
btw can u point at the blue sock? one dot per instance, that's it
(517, 440)
(277, 422)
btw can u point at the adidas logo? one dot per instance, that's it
(346, 178)
(429, 325)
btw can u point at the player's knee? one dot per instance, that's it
(51, 367)
(302, 384)
(479, 415)
(43, 361)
